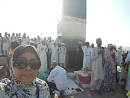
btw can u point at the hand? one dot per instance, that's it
(113, 55)
(101, 52)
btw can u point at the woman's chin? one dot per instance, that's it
(26, 80)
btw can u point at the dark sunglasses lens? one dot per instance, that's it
(20, 63)
(35, 64)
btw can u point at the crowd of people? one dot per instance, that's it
(102, 61)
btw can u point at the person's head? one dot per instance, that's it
(19, 34)
(26, 63)
(59, 37)
(20, 41)
(92, 45)
(87, 44)
(50, 38)
(14, 44)
(5, 33)
(54, 64)
(110, 47)
(9, 34)
(43, 42)
(54, 44)
(59, 44)
(62, 44)
(99, 42)
(80, 44)
(13, 34)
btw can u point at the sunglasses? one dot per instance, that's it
(21, 63)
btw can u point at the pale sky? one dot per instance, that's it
(108, 19)
(31, 16)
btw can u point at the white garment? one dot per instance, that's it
(58, 74)
(87, 56)
(119, 58)
(25, 41)
(13, 38)
(97, 67)
(54, 54)
(128, 76)
(62, 55)
(50, 44)
(5, 45)
(42, 50)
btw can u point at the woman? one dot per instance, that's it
(109, 69)
(24, 64)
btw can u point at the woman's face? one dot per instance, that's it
(27, 75)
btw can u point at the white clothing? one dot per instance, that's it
(119, 58)
(97, 66)
(87, 56)
(62, 55)
(25, 41)
(42, 50)
(58, 74)
(13, 38)
(50, 44)
(97, 73)
(54, 54)
(5, 45)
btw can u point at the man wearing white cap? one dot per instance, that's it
(62, 55)
(42, 50)
(87, 55)
(54, 53)
(97, 73)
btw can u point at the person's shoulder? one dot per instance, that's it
(3, 83)
(41, 83)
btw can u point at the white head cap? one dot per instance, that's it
(80, 43)
(98, 39)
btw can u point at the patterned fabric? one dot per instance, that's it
(109, 78)
(109, 70)
(14, 89)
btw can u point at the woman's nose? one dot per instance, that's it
(28, 68)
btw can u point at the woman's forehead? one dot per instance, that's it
(28, 56)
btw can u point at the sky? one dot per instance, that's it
(35, 17)
(107, 19)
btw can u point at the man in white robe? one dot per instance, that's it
(97, 74)
(62, 55)
(5, 45)
(87, 56)
(13, 38)
(42, 50)
(59, 76)
(54, 53)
